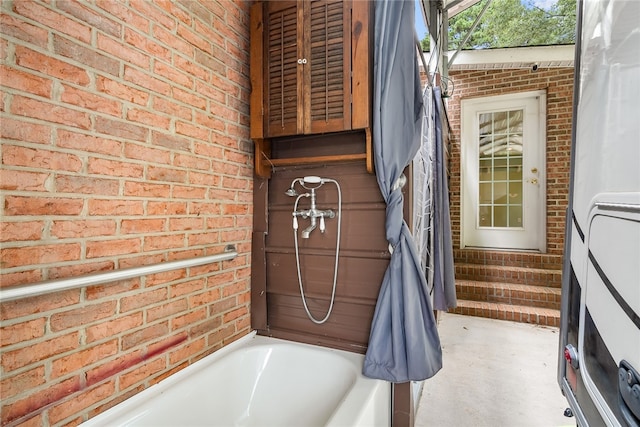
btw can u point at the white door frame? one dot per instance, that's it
(534, 223)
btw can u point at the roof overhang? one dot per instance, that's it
(559, 56)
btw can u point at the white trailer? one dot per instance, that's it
(599, 357)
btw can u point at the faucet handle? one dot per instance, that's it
(322, 226)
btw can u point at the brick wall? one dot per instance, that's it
(125, 142)
(558, 83)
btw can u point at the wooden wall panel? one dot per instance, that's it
(355, 235)
(317, 275)
(363, 257)
(319, 145)
(343, 329)
(258, 256)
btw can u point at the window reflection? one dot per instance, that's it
(500, 169)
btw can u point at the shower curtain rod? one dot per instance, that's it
(49, 286)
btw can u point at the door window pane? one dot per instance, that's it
(515, 145)
(515, 172)
(515, 216)
(500, 216)
(515, 193)
(515, 121)
(484, 216)
(485, 170)
(499, 193)
(500, 169)
(486, 193)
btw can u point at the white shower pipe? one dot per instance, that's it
(57, 285)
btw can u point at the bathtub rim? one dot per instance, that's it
(363, 391)
(156, 389)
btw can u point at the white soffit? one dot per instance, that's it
(559, 56)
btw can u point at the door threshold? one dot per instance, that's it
(483, 248)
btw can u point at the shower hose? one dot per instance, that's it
(335, 268)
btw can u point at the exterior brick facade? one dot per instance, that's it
(125, 142)
(558, 84)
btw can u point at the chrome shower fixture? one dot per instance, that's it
(317, 219)
(313, 180)
(291, 192)
(313, 213)
(306, 180)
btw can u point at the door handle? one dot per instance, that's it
(533, 181)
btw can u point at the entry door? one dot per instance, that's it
(503, 172)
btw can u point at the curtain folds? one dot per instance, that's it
(404, 344)
(444, 286)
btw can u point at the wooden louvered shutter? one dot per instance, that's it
(328, 72)
(283, 45)
(310, 73)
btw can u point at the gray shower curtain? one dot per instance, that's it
(444, 286)
(404, 343)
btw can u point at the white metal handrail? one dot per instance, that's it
(49, 286)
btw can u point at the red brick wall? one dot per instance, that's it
(558, 83)
(125, 142)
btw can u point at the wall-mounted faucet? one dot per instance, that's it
(316, 216)
(313, 213)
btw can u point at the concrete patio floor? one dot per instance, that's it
(495, 373)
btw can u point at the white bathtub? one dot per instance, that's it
(260, 381)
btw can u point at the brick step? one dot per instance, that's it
(514, 259)
(508, 293)
(515, 313)
(509, 274)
